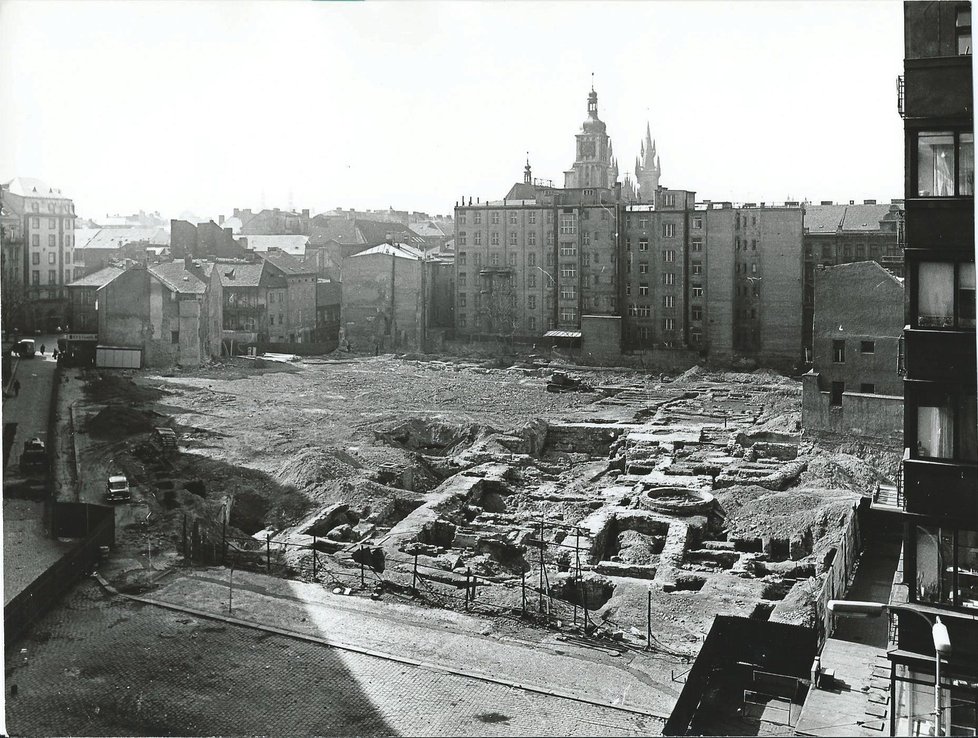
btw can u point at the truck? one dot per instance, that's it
(25, 348)
(34, 459)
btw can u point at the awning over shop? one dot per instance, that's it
(562, 334)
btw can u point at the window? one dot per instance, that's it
(568, 224)
(461, 238)
(36, 277)
(461, 279)
(597, 280)
(668, 230)
(568, 249)
(597, 257)
(643, 289)
(737, 243)
(477, 259)
(494, 218)
(461, 218)
(669, 278)
(697, 267)
(669, 301)
(568, 315)
(531, 302)
(531, 217)
(643, 222)
(945, 556)
(669, 200)
(174, 337)
(867, 388)
(697, 312)
(512, 238)
(35, 258)
(51, 241)
(531, 260)
(962, 29)
(753, 244)
(460, 257)
(461, 299)
(945, 164)
(494, 259)
(52, 223)
(50, 207)
(494, 238)
(477, 238)
(946, 295)
(753, 268)
(697, 290)
(835, 396)
(513, 217)
(550, 258)
(860, 251)
(477, 218)
(531, 323)
(867, 347)
(52, 276)
(511, 259)
(669, 255)
(586, 258)
(35, 222)
(568, 293)
(586, 237)
(645, 311)
(35, 207)
(550, 238)
(669, 324)
(839, 352)
(462, 322)
(947, 426)
(696, 243)
(52, 257)
(643, 244)
(628, 244)
(643, 267)
(628, 289)
(531, 238)
(698, 222)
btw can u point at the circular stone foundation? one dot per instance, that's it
(677, 500)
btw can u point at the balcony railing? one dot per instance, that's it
(899, 86)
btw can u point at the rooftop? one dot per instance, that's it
(113, 238)
(98, 279)
(175, 276)
(30, 187)
(294, 245)
(400, 250)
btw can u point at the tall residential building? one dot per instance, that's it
(39, 258)
(940, 468)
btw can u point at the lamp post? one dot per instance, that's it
(939, 634)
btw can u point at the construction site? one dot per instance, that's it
(611, 503)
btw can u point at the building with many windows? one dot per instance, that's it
(939, 502)
(39, 257)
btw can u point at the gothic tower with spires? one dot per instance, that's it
(595, 165)
(648, 168)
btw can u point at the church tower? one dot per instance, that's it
(594, 165)
(648, 168)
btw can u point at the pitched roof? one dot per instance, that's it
(330, 228)
(30, 187)
(522, 191)
(98, 279)
(84, 235)
(428, 229)
(113, 238)
(294, 245)
(375, 232)
(241, 274)
(288, 264)
(864, 217)
(400, 250)
(175, 276)
(832, 218)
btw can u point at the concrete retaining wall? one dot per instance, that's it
(874, 417)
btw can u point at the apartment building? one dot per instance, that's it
(38, 252)
(940, 468)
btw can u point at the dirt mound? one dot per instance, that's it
(109, 387)
(115, 421)
(433, 437)
(312, 467)
(842, 471)
(753, 511)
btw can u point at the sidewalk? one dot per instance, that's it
(440, 639)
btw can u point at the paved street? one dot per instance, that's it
(104, 665)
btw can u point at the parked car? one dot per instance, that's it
(34, 459)
(117, 489)
(25, 348)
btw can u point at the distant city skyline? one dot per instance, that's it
(206, 106)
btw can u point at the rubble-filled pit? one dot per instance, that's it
(693, 495)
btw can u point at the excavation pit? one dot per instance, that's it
(678, 501)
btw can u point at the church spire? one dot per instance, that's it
(527, 174)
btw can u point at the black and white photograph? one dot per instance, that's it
(488, 368)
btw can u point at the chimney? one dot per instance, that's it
(869, 202)
(220, 220)
(389, 238)
(305, 212)
(852, 202)
(236, 212)
(188, 261)
(827, 202)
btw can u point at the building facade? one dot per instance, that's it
(843, 234)
(39, 259)
(855, 386)
(940, 468)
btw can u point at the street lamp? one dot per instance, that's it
(939, 634)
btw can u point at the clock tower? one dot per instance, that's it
(595, 165)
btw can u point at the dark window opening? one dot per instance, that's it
(839, 352)
(867, 347)
(836, 396)
(867, 388)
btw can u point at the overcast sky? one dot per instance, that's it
(204, 106)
